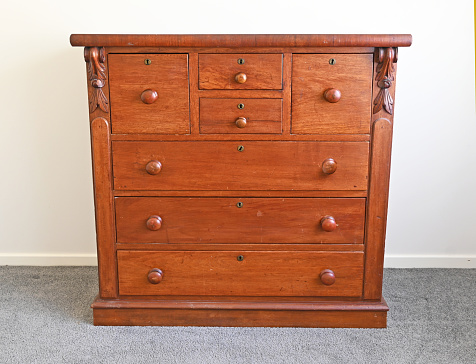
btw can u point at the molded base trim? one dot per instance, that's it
(240, 314)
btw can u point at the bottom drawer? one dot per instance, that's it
(240, 273)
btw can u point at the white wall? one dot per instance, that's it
(46, 206)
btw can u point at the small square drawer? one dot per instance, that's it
(149, 93)
(240, 71)
(331, 93)
(240, 273)
(240, 116)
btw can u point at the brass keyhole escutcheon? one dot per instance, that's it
(239, 204)
(241, 106)
(332, 61)
(240, 258)
(241, 61)
(147, 61)
(240, 148)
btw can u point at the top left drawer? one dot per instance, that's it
(149, 93)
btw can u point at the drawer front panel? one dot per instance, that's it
(220, 71)
(226, 116)
(241, 273)
(240, 220)
(130, 77)
(313, 74)
(244, 165)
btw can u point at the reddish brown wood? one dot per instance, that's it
(167, 74)
(262, 166)
(259, 220)
(327, 277)
(96, 58)
(155, 276)
(376, 218)
(332, 95)
(313, 75)
(240, 77)
(328, 223)
(104, 203)
(384, 77)
(149, 96)
(220, 115)
(215, 273)
(242, 40)
(154, 222)
(153, 167)
(223, 72)
(329, 166)
(240, 122)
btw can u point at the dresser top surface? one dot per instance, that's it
(241, 40)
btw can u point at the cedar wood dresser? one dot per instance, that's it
(241, 180)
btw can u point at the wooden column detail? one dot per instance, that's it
(379, 176)
(104, 202)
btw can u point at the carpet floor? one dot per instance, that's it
(45, 318)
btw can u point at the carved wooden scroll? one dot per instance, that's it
(95, 57)
(385, 75)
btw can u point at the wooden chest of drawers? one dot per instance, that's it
(241, 180)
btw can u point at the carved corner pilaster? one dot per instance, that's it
(95, 58)
(385, 76)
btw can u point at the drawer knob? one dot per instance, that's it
(328, 223)
(155, 276)
(327, 277)
(240, 77)
(154, 222)
(240, 122)
(332, 95)
(149, 96)
(153, 167)
(329, 166)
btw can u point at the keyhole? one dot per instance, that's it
(239, 204)
(147, 61)
(332, 61)
(240, 148)
(240, 258)
(241, 61)
(241, 106)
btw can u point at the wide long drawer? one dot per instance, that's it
(240, 165)
(235, 273)
(172, 220)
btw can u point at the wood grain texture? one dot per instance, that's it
(261, 71)
(258, 274)
(313, 75)
(262, 166)
(218, 116)
(376, 219)
(240, 193)
(104, 207)
(260, 220)
(241, 40)
(129, 77)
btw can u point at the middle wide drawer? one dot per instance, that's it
(211, 220)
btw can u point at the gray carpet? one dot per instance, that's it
(45, 318)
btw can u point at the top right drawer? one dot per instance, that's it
(331, 93)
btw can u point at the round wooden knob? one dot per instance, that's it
(149, 96)
(329, 166)
(327, 277)
(153, 167)
(154, 222)
(332, 95)
(328, 223)
(240, 77)
(155, 276)
(240, 122)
